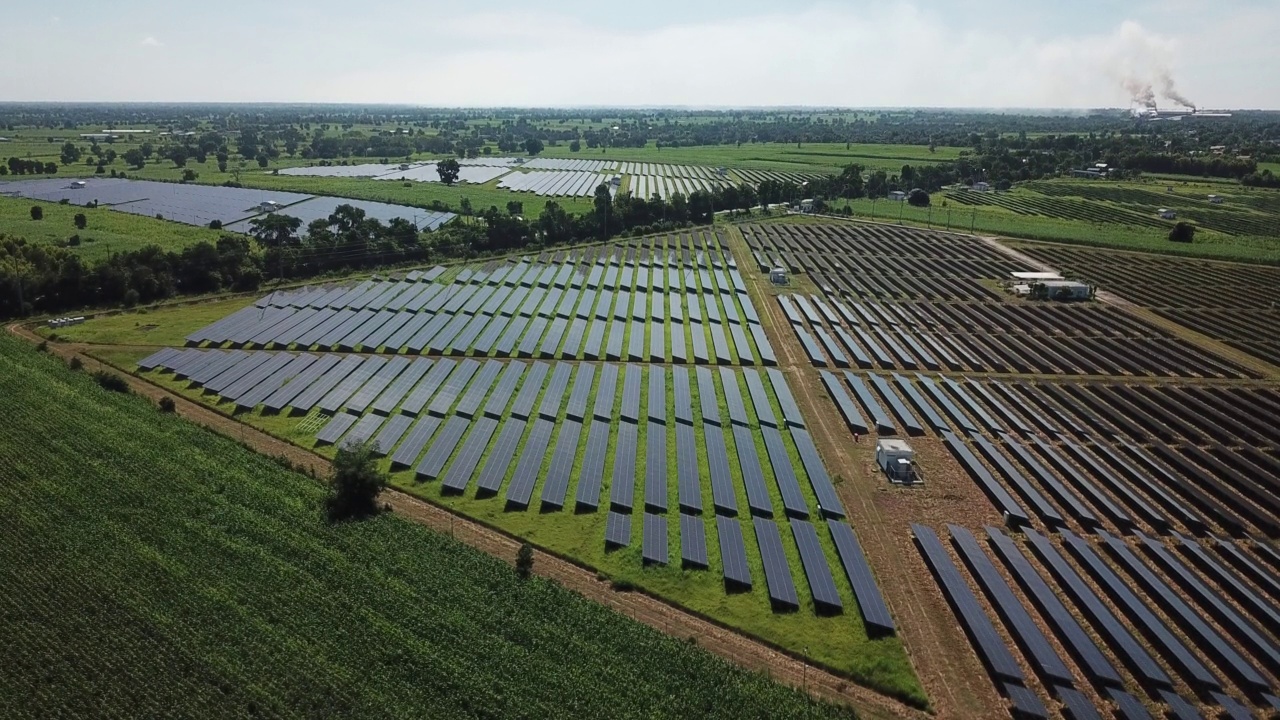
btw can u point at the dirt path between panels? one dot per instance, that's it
(744, 651)
(950, 672)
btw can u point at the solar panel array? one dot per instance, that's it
(536, 307)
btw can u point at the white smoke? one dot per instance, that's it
(1142, 62)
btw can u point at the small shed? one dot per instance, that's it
(982, 186)
(897, 195)
(896, 458)
(1167, 214)
(1215, 199)
(778, 276)
(806, 205)
(78, 184)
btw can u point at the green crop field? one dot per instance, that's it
(108, 231)
(152, 568)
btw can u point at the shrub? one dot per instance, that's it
(1183, 232)
(131, 298)
(37, 212)
(215, 224)
(356, 482)
(75, 364)
(524, 561)
(43, 346)
(111, 381)
(74, 240)
(167, 405)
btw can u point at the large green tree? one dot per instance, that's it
(448, 169)
(274, 230)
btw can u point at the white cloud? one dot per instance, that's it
(150, 41)
(55, 20)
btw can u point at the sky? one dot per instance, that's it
(701, 53)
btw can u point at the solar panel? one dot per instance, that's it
(426, 388)
(759, 398)
(722, 493)
(742, 344)
(654, 544)
(408, 451)
(1108, 626)
(631, 394)
(732, 554)
(752, 476)
(606, 393)
(931, 416)
(689, 484)
(683, 395)
(335, 428)
(657, 406)
(442, 449)
(1079, 511)
(777, 573)
(353, 382)
(875, 614)
(592, 473)
(562, 460)
(617, 530)
(613, 346)
(495, 470)
(996, 492)
(793, 501)
(391, 433)
(622, 485)
(822, 586)
(986, 641)
(253, 378)
(655, 489)
(707, 396)
(1190, 621)
(281, 398)
(905, 416)
(720, 344)
(1047, 512)
(364, 397)
(464, 465)
(529, 390)
(1022, 627)
(693, 543)
(549, 407)
(790, 411)
(526, 472)
(239, 368)
(733, 397)
(852, 418)
(699, 338)
(448, 393)
(763, 348)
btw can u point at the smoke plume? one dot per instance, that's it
(1140, 92)
(1169, 92)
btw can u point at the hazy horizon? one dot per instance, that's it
(1006, 55)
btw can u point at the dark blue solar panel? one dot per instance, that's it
(442, 449)
(606, 393)
(759, 398)
(777, 572)
(1047, 512)
(526, 472)
(905, 416)
(549, 407)
(613, 346)
(281, 398)
(1079, 643)
(699, 338)
(733, 397)
(623, 482)
(655, 542)
(763, 348)
(592, 473)
(790, 411)
(448, 393)
(822, 585)
(1022, 627)
(464, 465)
(720, 344)
(573, 339)
(849, 411)
(693, 542)
(1106, 623)
(364, 397)
(532, 337)
(722, 493)
(655, 472)
(562, 459)
(733, 553)
(495, 469)
(793, 501)
(530, 388)
(353, 382)
(407, 453)
(581, 393)
(595, 338)
(683, 395)
(688, 480)
(617, 530)
(657, 405)
(631, 394)
(986, 641)
(335, 428)
(707, 396)
(752, 476)
(391, 433)
(875, 614)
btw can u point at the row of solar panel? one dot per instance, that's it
(1151, 675)
(516, 325)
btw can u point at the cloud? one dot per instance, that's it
(55, 20)
(150, 41)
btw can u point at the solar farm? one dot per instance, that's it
(1133, 476)
(557, 177)
(1095, 495)
(202, 204)
(621, 403)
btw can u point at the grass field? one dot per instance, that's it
(108, 231)
(810, 157)
(153, 568)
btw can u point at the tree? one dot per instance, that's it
(1183, 232)
(918, 198)
(356, 482)
(575, 145)
(37, 212)
(533, 146)
(448, 169)
(70, 154)
(274, 230)
(603, 203)
(81, 221)
(189, 175)
(515, 207)
(263, 160)
(135, 158)
(524, 561)
(179, 156)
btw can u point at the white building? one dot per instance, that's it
(897, 195)
(896, 458)
(269, 206)
(982, 186)
(1167, 214)
(1215, 199)
(1063, 290)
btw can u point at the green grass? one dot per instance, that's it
(108, 231)
(167, 325)
(824, 158)
(204, 577)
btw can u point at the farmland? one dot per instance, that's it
(1112, 475)
(106, 231)
(223, 593)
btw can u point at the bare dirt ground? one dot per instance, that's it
(741, 650)
(953, 678)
